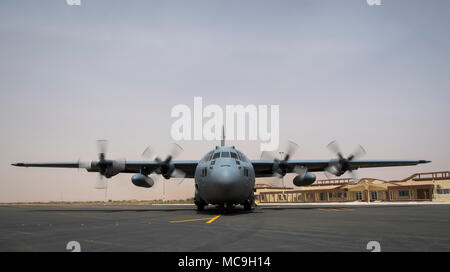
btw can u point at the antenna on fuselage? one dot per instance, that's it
(222, 142)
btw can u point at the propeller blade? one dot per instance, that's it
(175, 150)
(354, 176)
(178, 174)
(357, 153)
(102, 147)
(300, 170)
(328, 175)
(267, 155)
(155, 177)
(334, 147)
(290, 150)
(101, 183)
(149, 153)
(276, 180)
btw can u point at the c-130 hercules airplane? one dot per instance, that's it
(225, 176)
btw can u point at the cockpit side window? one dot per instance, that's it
(233, 155)
(205, 158)
(243, 158)
(225, 155)
(216, 155)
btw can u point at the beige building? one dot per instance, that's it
(433, 186)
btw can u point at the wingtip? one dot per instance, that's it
(424, 161)
(17, 164)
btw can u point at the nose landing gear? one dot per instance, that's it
(225, 208)
(200, 203)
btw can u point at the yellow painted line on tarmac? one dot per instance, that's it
(214, 218)
(210, 219)
(190, 220)
(336, 210)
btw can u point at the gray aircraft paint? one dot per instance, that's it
(224, 179)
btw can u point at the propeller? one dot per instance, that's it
(165, 167)
(340, 165)
(280, 166)
(106, 168)
(101, 183)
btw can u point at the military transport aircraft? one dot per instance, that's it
(225, 176)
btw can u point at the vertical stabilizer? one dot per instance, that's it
(222, 142)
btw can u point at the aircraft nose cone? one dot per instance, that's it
(225, 178)
(226, 183)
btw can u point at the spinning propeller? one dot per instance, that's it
(340, 165)
(106, 168)
(280, 166)
(165, 167)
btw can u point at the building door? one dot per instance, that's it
(322, 196)
(422, 194)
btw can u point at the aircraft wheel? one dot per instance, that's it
(200, 204)
(249, 205)
(200, 207)
(221, 208)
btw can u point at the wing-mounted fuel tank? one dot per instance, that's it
(305, 179)
(141, 180)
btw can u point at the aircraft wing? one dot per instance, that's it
(129, 166)
(264, 168)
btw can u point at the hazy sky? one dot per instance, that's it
(371, 75)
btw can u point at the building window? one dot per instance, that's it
(330, 195)
(373, 195)
(443, 191)
(282, 197)
(403, 193)
(262, 196)
(358, 195)
(299, 197)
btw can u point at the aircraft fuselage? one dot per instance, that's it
(224, 176)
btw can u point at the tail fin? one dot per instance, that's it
(222, 142)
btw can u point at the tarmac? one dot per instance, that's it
(268, 228)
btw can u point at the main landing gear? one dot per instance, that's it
(249, 205)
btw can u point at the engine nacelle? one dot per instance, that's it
(141, 180)
(304, 180)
